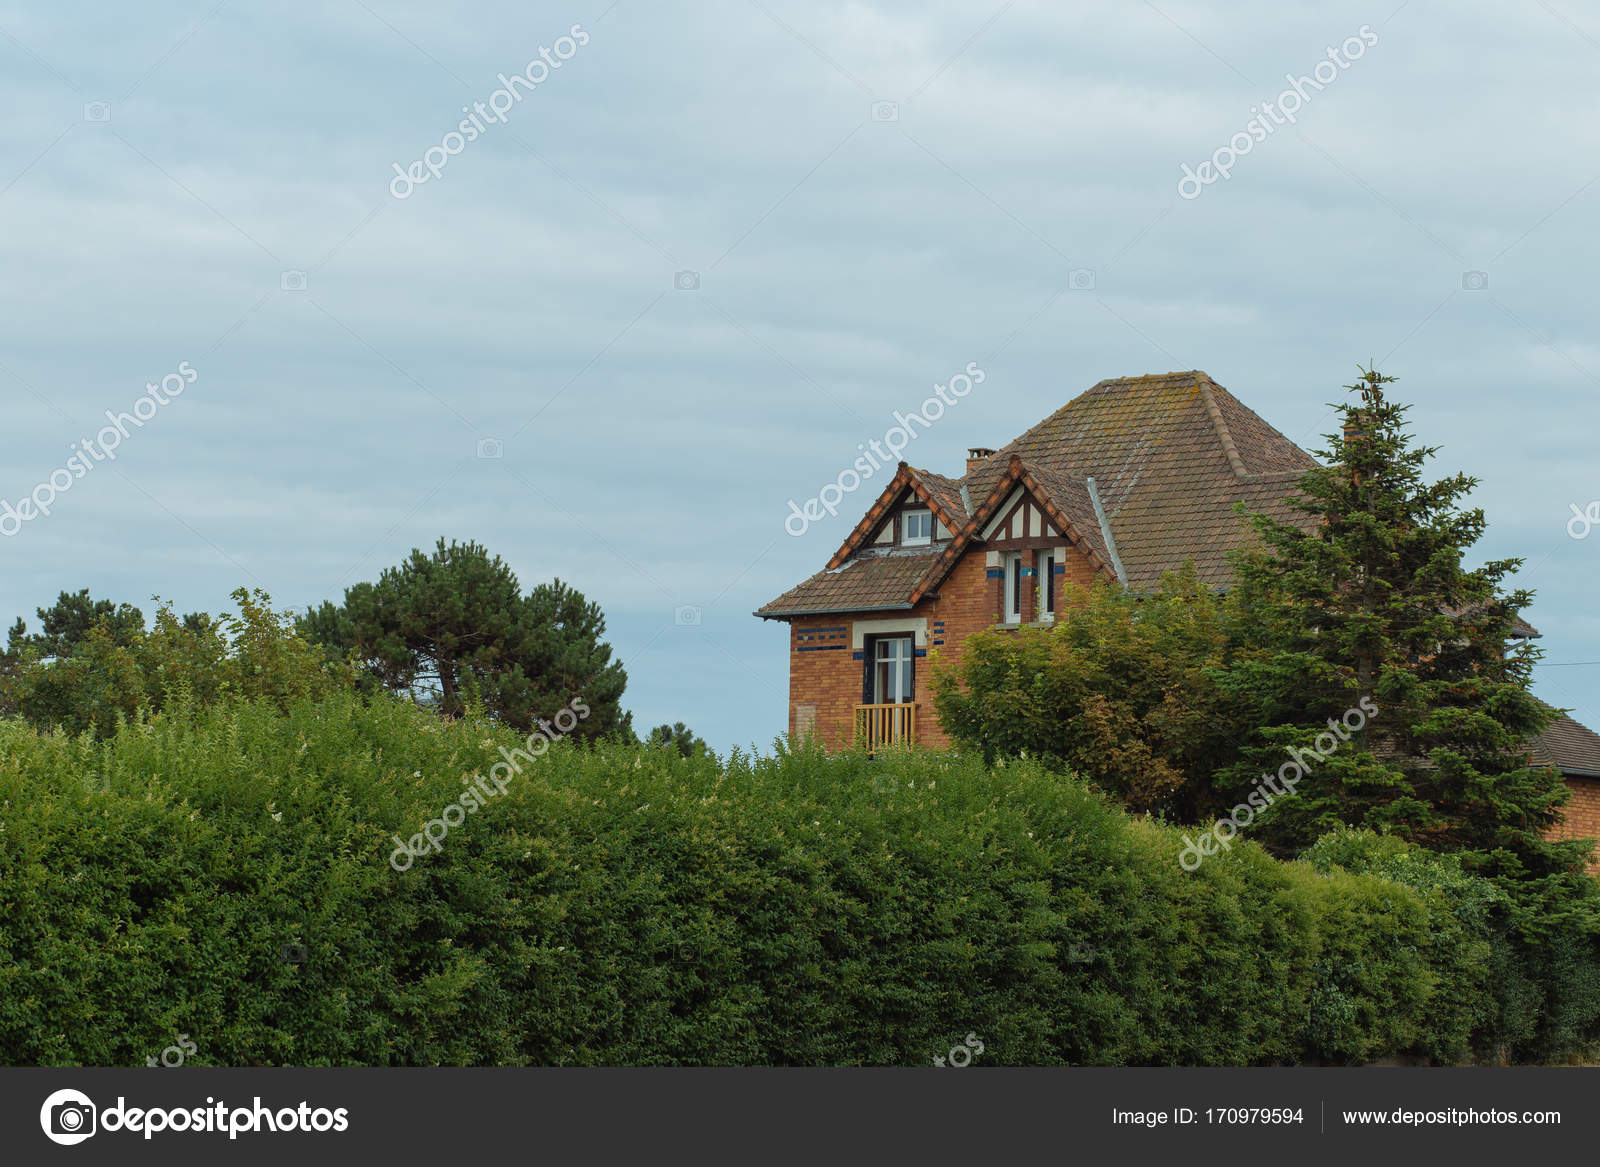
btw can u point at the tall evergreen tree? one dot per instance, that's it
(455, 626)
(1368, 607)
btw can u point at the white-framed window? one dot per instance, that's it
(916, 527)
(1047, 585)
(1012, 607)
(893, 659)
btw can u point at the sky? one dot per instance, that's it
(698, 253)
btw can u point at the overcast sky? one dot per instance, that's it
(869, 196)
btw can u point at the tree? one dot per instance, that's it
(114, 670)
(1117, 690)
(678, 736)
(454, 625)
(1368, 607)
(67, 624)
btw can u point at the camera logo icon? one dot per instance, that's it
(687, 281)
(686, 616)
(491, 448)
(292, 281)
(1081, 279)
(885, 111)
(293, 954)
(97, 111)
(1474, 281)
(67, 1117)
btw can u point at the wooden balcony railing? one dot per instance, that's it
(879, 726)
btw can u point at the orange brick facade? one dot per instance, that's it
(1582, 815)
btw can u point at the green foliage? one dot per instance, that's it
(113, 670)
(1118, 690)
(628, 905)
(454, 626)
(67, 625)
(1530, 953)
(1372, 600)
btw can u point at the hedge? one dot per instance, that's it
(225, 874)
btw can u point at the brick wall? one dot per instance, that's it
(1581, 816)
(824, 680)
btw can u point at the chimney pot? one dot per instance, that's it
(977, 456)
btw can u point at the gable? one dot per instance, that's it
(891, 528)
(1020, 517)
(933, 492)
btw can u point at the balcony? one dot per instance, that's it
(883, 726)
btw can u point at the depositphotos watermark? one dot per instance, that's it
(1258, 128)
(68, 1117)
(1339, 731)
(501, 101)
(172, 1057)
(481, 788)
(1584, 521)
(961, 1054)
(88, 453)
(873, 459)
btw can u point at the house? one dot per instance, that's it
(1122, 483)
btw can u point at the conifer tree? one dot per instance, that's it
(1380, 667)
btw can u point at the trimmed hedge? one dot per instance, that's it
(632, 906)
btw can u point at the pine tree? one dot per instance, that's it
(1376, 650)
(454, 626)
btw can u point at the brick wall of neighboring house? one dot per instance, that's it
(826, 678)
(1581, 815)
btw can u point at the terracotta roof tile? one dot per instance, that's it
(1569, 747)
(946, 492)
(879, 581)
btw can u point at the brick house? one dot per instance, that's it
(1122, 483)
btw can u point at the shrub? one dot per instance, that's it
(626, 905)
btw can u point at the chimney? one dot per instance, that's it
(1357, 428)
(977, 456)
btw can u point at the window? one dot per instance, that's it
(1013, 581)
(892, 661)
(916, 527)
(1047, 591)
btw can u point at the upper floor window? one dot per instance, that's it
(1013, 588)
(916, 527)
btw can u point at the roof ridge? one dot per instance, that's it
(1220, 424)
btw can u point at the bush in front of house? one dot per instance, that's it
(225, 873)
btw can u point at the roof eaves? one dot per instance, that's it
(785, 615)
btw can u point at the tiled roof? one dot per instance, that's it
(1569, 747)
(946, 492)
(1170, 455)
(883, 581)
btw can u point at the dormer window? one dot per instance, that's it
(916, 528)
